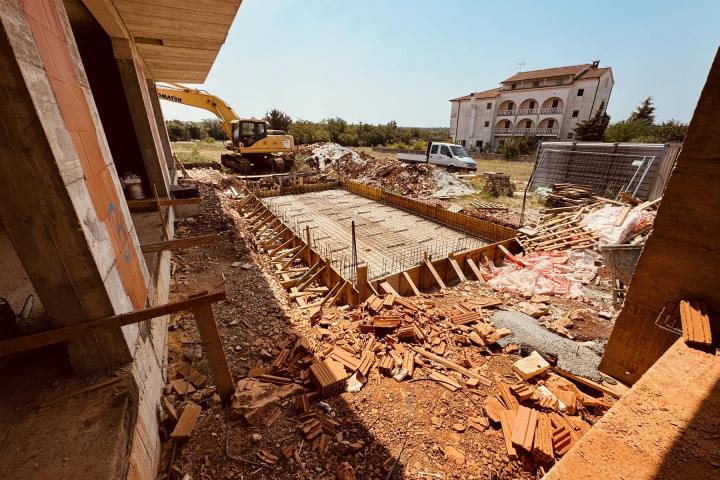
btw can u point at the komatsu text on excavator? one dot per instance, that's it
(253, 148)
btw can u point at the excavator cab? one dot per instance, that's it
(248, 132)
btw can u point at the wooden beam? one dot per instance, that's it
(434, 273)
(286, 243)
(587, 382)
(213, 346)
(475, 269)
(72, 332)
(178, 243)
(293, 258)
(152, 204)
(387, 288)
(411, 283)
(312, 278)
(456, 267)
(452, 366)
(364, 287)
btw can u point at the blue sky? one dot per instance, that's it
(380, 60)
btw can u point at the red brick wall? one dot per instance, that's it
(55, 52)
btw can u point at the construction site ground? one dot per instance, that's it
(421, 425)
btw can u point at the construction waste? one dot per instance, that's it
(419, 180)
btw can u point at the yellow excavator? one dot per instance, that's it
(253, 147)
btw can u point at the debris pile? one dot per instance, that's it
(603, 222)
(569, 194)
(416, 179)
(497, 184)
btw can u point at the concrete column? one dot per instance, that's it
(142, 113)
(60, 199)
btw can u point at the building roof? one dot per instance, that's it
(177, 39)
(549, 72)
(595, 72)
(492, 93)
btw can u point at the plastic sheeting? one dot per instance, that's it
(603, 222)
(546, 273)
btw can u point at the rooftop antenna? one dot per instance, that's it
(519, 66)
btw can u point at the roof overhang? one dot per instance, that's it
(178, 40)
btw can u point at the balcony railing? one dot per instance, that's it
(527, 111)
(527, 131)
(506, 113)
(550, 111)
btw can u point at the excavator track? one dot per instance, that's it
(252, 165)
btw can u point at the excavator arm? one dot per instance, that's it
(174, 92)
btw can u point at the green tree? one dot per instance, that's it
(213, 128)
(593, 129)
(335, 128)
(645, 112)
(516, 146)
(629, 130)
(278, 120)
(671, 131)
(177, 131)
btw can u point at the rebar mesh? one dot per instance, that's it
(388, 239)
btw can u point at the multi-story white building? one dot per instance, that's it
(548, 103)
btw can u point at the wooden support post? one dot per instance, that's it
(284, 253)
(266, 219)
(166, 230)
(281, 246)
(387, 288)
(72, 332)
(456, 267)
(154, 203)
(361, 273)
(210, 336)
(293, 258)
(407, 278)
(178, 244)
(434, 273)
(312, 278)
(475, 269)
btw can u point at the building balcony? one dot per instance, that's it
(506, 113)
(527, 111)
(551, 111)
(542, 132)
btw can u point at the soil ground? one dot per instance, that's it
(410, 422)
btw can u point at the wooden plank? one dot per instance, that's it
(613, 392)
(178, 243)
(434, 273)
(186, 422)
(452, 366)
(213, 346)
(414, 289)
(71, 332)
(312, 278)
(475, 269)
(151, 204)
(387, 288)
(458, 270)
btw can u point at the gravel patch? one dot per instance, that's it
(578, 358)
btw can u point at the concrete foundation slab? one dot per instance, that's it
(388, 239)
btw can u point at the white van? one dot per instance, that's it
(453, 157)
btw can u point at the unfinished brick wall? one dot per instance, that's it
(49, 35)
